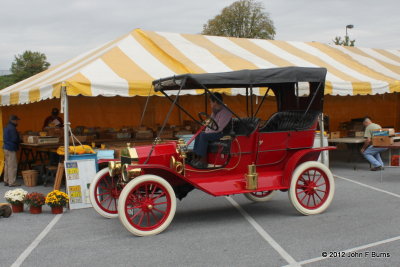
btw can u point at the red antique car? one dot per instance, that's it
(255, 159)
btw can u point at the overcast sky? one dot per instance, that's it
(64, 29)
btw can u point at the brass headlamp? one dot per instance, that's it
(176, 165)
(114, 168)
(129, 172)
(129, 155)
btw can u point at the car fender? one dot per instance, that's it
(299, 157)
(164, 172)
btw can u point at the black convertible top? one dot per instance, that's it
(241, 78)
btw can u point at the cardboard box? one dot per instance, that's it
(334, 135)
(25, 139)
(144, 135)
(359, 134)
(384, 132)
(167, 134)
(59, 132)
(124, 135)
(351, 133)
(32, 139)
(382, 141)
(43, 140)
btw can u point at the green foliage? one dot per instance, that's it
(346, 42)
(28, 64)
(244, 18)
(6, 81)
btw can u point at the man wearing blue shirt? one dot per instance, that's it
(11, 146)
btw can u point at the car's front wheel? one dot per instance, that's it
(312, 188)
(147, 205)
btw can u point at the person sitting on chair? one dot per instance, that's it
(371, 153)
(53, 120)
(222, 116)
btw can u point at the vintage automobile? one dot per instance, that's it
(255, 159)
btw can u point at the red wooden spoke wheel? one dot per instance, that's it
(261, 196)
(147, 205)
(312, 188)
(104, 194)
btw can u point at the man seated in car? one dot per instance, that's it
(221, 116)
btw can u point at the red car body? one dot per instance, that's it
(250, 159)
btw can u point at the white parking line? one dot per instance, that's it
(264, 234)
(354, 249)
(364, 246)
(36, 242)
(368, 186)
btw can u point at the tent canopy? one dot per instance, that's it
(128, 65)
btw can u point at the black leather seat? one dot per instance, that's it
(236, 127)
(242, 126)
(290, 121)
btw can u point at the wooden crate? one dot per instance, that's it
(335, 135)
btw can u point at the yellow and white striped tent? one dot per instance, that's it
(127, 65)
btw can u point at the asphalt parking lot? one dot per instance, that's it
(360, 228)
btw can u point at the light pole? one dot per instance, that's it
(350, 26)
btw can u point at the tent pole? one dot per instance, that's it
(321, 136)
(64, 103)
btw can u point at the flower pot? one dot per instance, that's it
(57, 209)
(17, 207)
(35, 210)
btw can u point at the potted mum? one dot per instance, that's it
(16, 199)
(57, 200)
(35, 201)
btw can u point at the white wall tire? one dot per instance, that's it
(312, 188)
(147, 205)
(262, 196)
(104, 193)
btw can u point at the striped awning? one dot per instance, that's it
(128, 65)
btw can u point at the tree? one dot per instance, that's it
(6, 80)
(28, 64)
(244, 18)
(346, 42)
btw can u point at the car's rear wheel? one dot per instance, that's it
(104, 193)
(260, 196)
(312, 188)
(147, 205)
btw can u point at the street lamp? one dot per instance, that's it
(350, 26)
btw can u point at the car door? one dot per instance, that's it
(272, 147)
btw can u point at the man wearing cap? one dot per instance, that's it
(53, 120)
(11, 146)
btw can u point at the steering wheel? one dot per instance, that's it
(211, 124)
